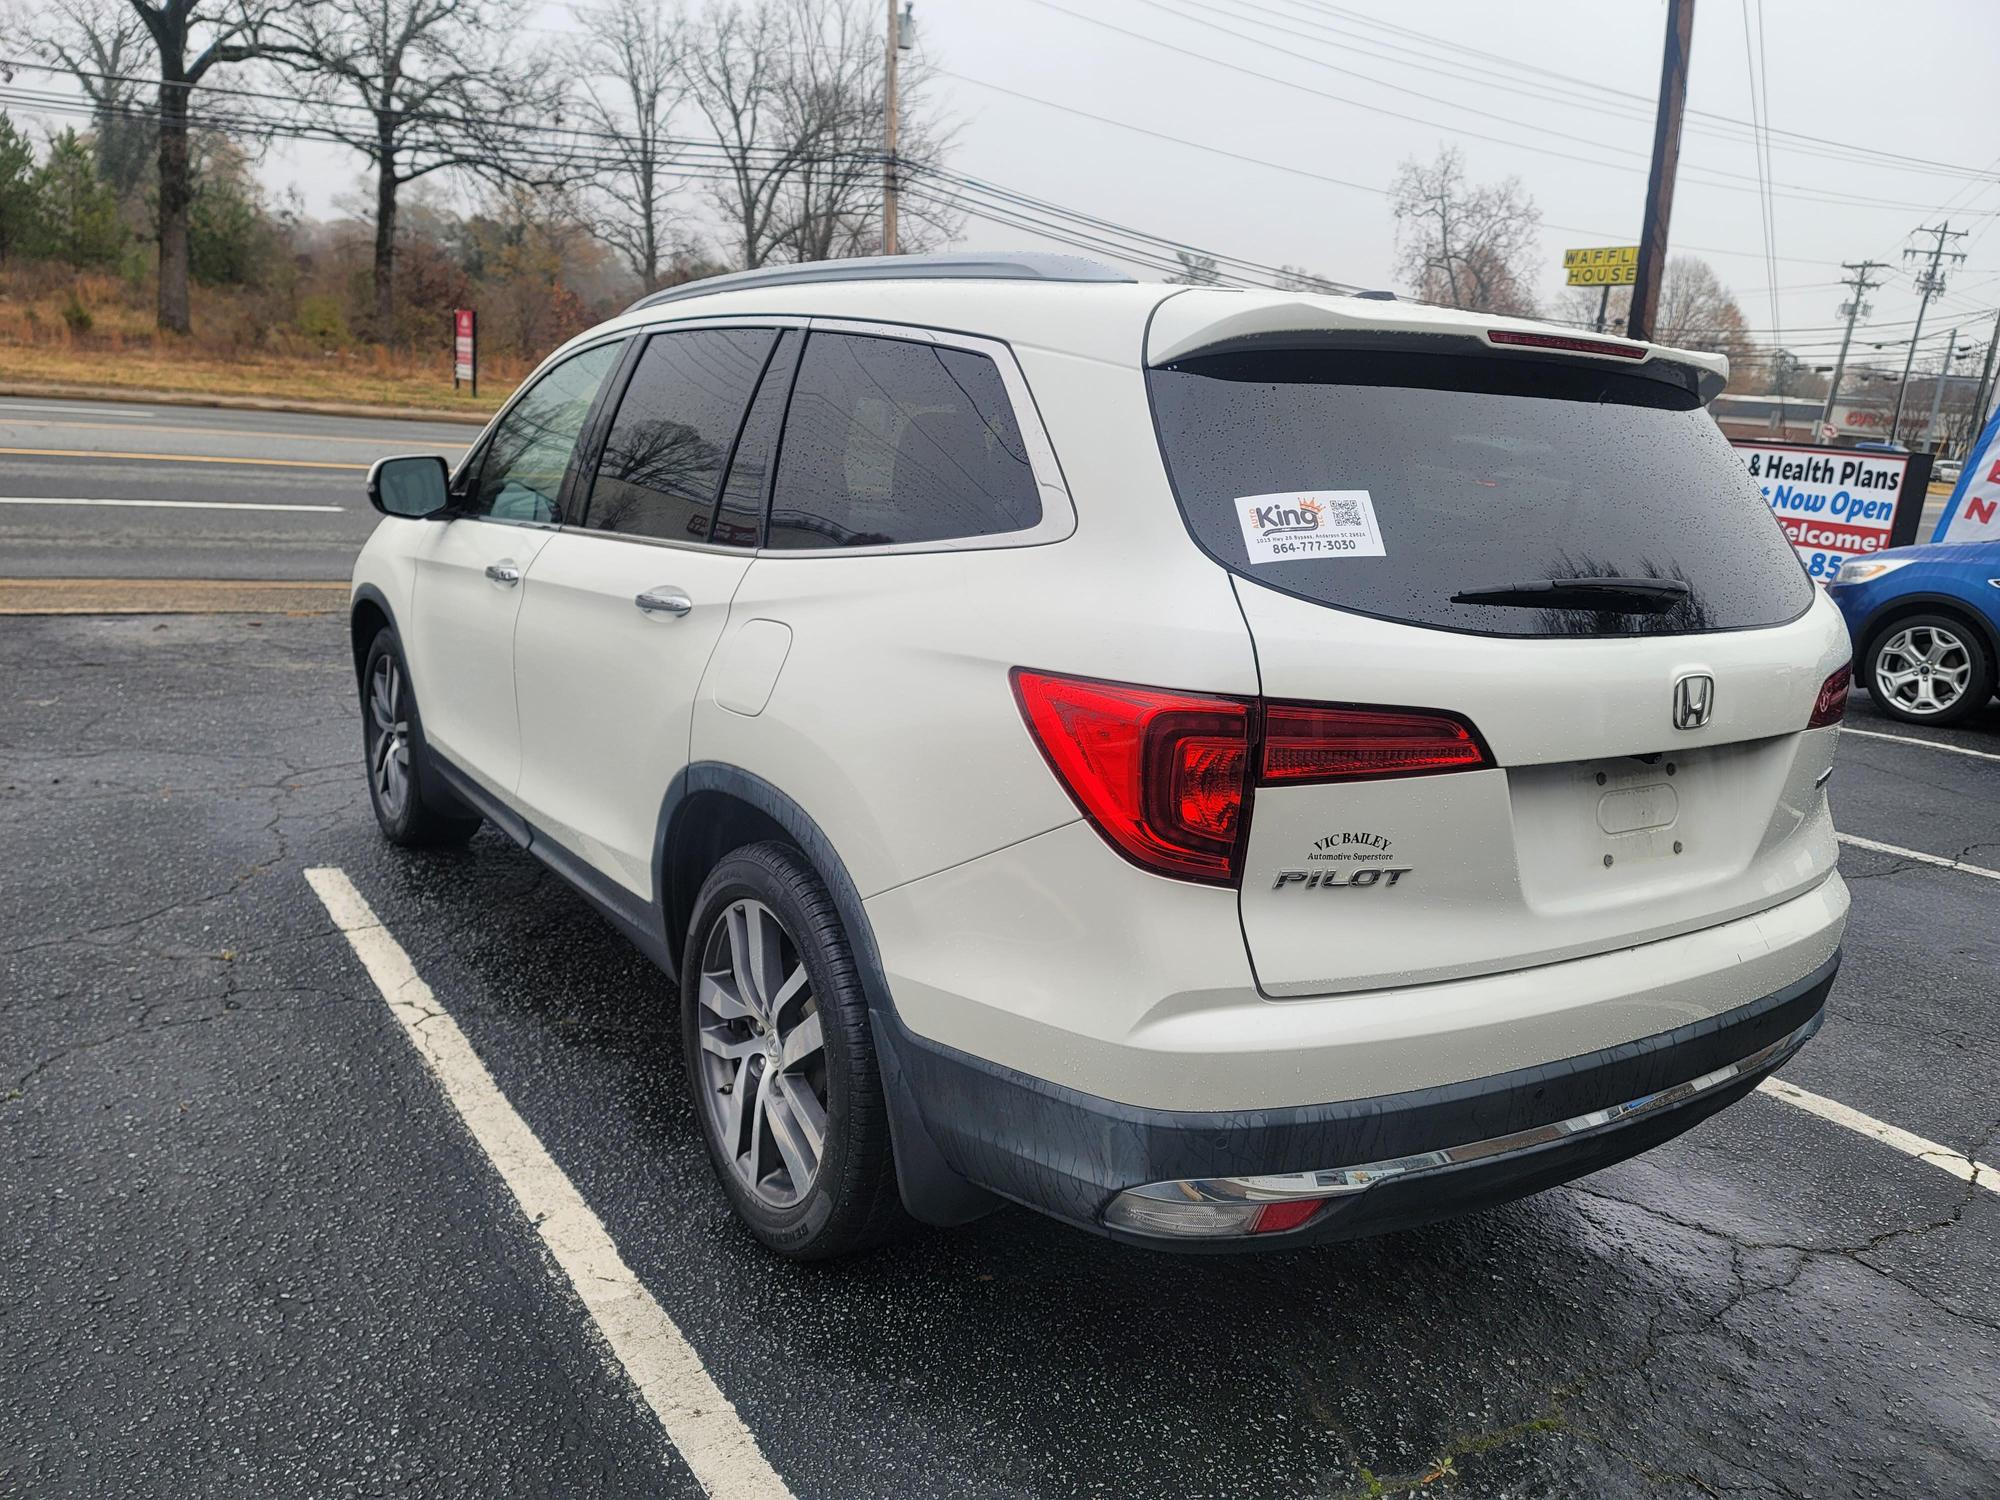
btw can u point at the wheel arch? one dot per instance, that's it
(368, 617)
(712, 807)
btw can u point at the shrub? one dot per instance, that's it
(76, 315)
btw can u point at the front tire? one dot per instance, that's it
(1929, 669)
(393, 740)
(774, 1025)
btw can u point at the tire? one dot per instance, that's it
(392, 740)
(788, 1094)
(1928, 669)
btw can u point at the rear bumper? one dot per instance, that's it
(1069, 1154)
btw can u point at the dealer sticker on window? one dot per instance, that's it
(1309, 523)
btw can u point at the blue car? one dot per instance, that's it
(1926, 627)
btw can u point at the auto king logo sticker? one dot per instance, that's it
(1302, 524)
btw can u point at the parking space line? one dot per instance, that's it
(1917, 854)
(1957, 1163)
(1911, 739)
(699, 1420)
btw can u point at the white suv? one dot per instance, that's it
(1223, 768)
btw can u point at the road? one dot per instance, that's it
(227, 494)
(252, 1248)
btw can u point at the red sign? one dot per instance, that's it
(465, 363)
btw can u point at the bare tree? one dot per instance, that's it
(1299, 279)
(1465, 246)
(633, 78)
(418, 86)
(101, 44)
(192, 37)
(1196, 269)
(794, 90)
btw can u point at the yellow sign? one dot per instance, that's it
(1607, 265)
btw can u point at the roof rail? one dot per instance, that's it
(955, 266)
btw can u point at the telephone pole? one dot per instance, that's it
(1930, 283)
(1937, 388)
(1861, 285)
(1666, 161)
(897, 16)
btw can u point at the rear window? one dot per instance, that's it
(1386, 483)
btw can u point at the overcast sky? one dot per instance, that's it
(1346, 91)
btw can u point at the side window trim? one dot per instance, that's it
(1058, 510)
(581, 480)
(465, 482)
(790, 376)
(736, 440)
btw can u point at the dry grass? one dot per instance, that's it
(232, 353)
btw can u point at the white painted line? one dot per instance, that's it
(1922, 858)
(698, 1418)
(161, 504)
(1911, 739)
(1961, 1166)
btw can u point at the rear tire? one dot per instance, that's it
(1928, 669)
(392, 735)
(774, 1026)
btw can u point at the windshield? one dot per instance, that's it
(1426, 487)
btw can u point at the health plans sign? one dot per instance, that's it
(1833, 503)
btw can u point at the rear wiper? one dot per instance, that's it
(1644, 596)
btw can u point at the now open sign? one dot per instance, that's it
(1837, 503)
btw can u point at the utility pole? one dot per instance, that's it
(1860, 284)
(1937, 389)
(1666, 161)
(1930, 283)
(896, 8)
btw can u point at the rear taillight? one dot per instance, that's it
(1166, 776)
(1830, 707)
(1160, 773)
(1307, 744)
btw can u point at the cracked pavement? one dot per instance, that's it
(251, 1250)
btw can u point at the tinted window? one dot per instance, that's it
(664, 456)
(739, 519)
(520, 478)
(891, 441)
(1480, 474)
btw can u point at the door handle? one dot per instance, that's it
(503, 572)
(664, 600)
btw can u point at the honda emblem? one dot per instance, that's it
(1694, 701)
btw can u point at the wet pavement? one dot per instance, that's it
(251, 1249)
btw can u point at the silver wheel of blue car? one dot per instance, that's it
(763, 1054)
(1923, 669)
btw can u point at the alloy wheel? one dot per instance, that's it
(389, 750)
(1923, 668)
(763, 1056)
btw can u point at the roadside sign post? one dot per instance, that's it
(465, 348)
(1603, 267)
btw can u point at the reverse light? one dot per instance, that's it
(1830, 707)
(1868, 569)
(1564, 341)
(1166, 776)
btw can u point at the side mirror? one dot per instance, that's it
(413, 486)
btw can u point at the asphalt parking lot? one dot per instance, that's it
(254, 1248)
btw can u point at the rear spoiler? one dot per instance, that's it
(1192, 325)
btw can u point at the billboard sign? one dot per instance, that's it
(464, 348)
(1605, 265)
(1836, 503)
(1973, 512)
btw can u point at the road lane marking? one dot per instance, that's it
(1911, 739)
(1917, 854)
(699, 1420)
(162, 504)
(1957, 1163)
(195, 429)
(182, 458)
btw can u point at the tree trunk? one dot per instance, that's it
(385, 236)
(175, 196)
